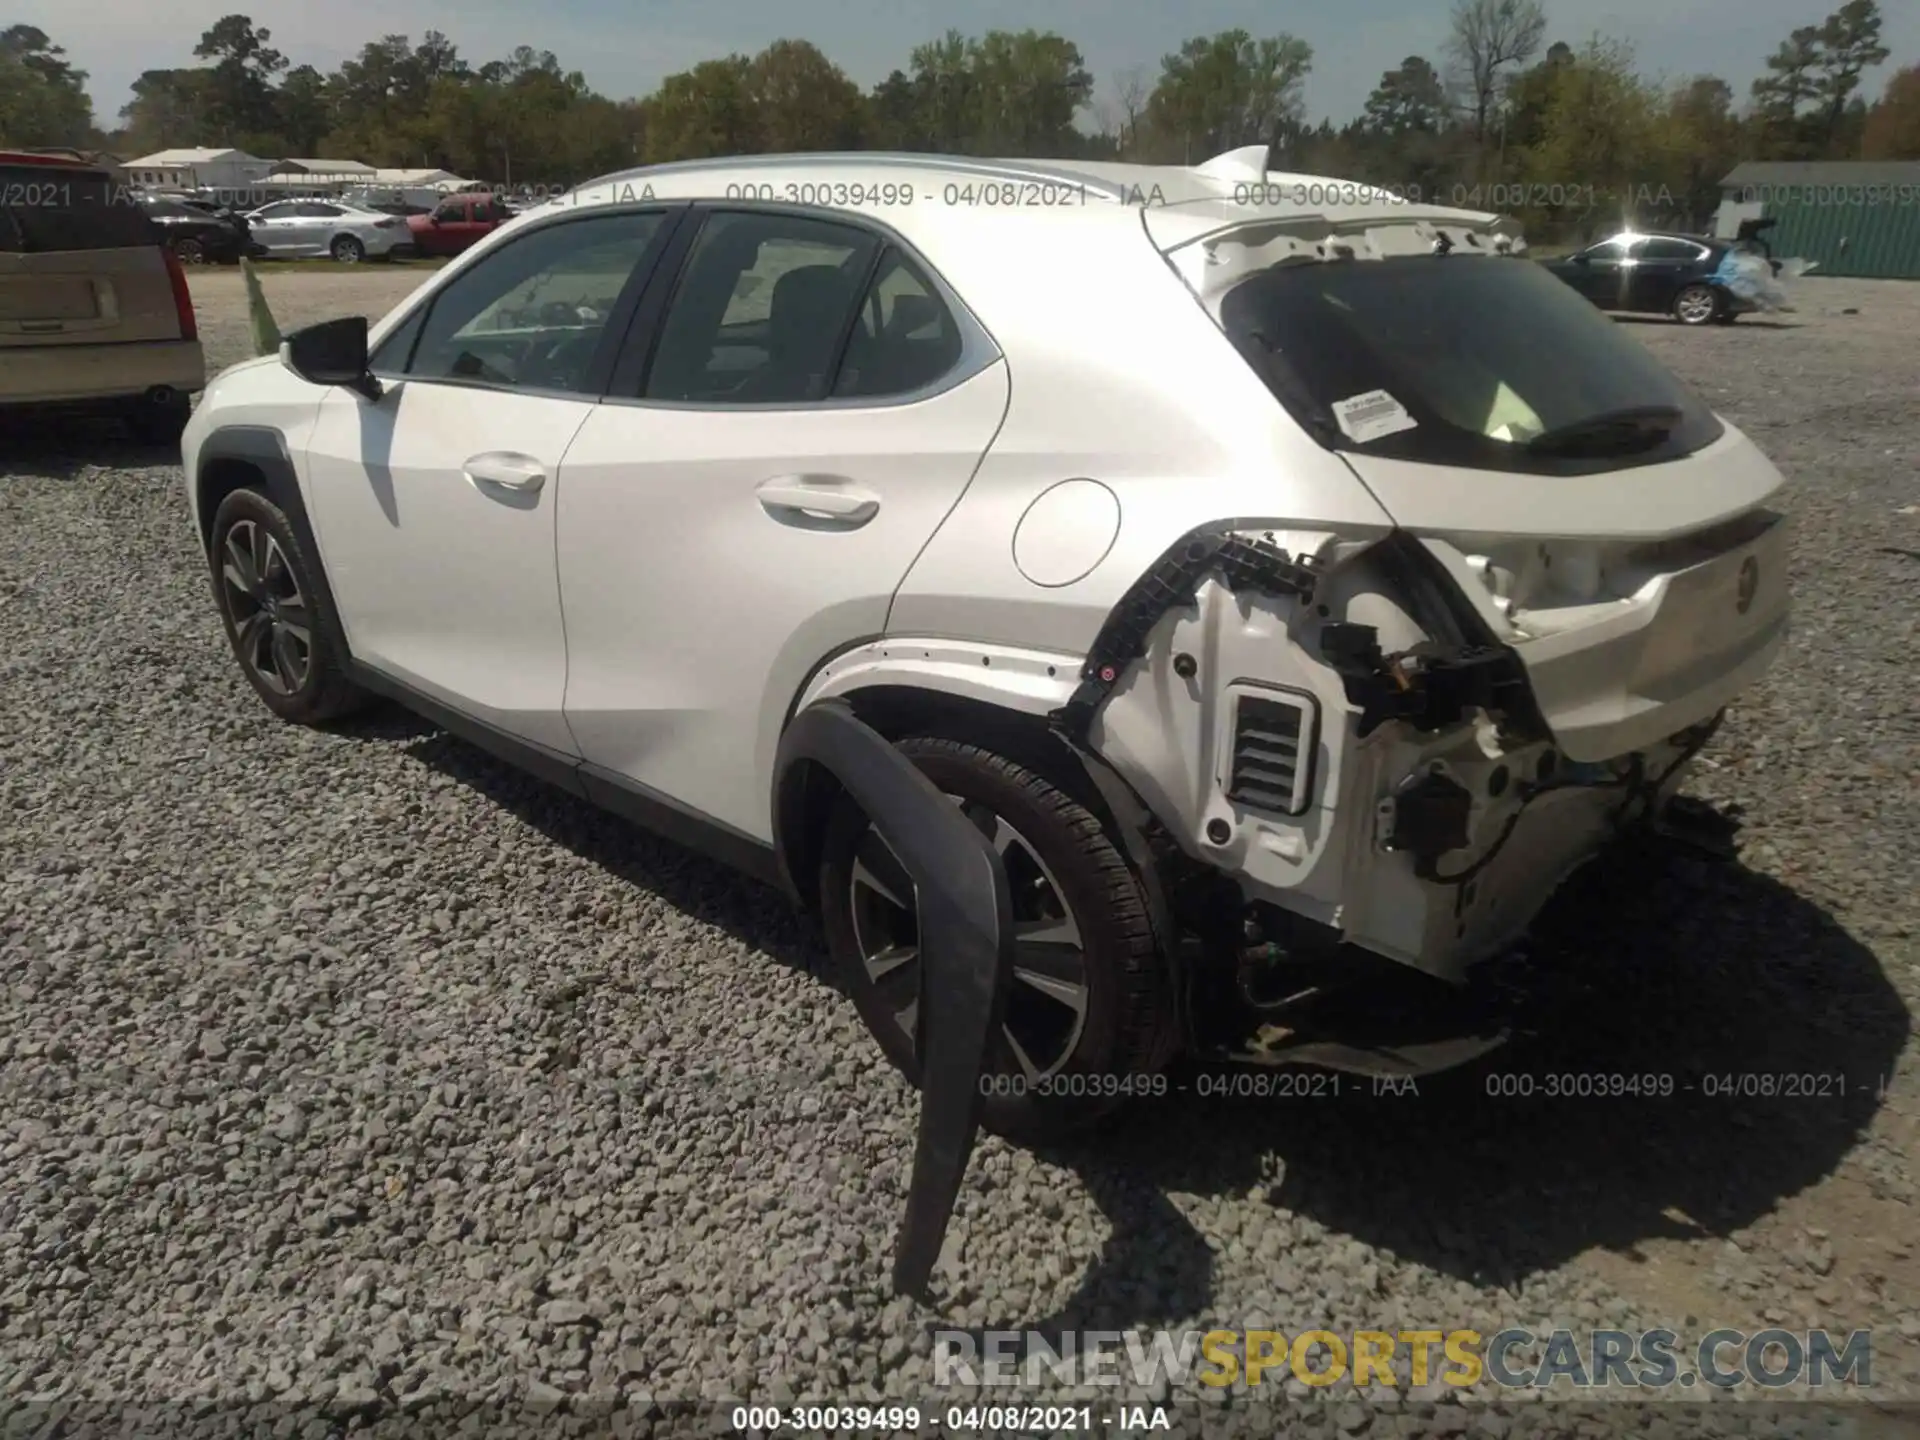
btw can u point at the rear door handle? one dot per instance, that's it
(833, 496)
(505, 470)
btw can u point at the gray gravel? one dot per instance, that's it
(356, 1070)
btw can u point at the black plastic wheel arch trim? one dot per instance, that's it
(264, 449)
(966, 950)
(1245, 566)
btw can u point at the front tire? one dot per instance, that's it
(1088, 1007)
(348, 251)
(277, 619)
(1696, 305)
(190, 252)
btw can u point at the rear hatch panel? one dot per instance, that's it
(1641, 584)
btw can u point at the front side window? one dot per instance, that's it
(531, 315)
(762, 311)
(1468, 360)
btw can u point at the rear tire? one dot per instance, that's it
(278, 621)
(1068, 878)
(347, 250)
(190, 251)
(1697, 305)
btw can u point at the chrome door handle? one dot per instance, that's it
(506, 470)
(833, 496)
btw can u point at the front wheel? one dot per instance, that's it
(1088, 1005)
(277, 619)
(1696, 305)
(349, 251)
(190, 252)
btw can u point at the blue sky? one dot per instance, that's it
(626, 46)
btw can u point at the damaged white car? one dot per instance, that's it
(1282, 578)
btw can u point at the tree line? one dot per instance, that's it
(1503, 116)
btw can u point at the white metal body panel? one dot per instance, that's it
(445, 580)
(697, 604)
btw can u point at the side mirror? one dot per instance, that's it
(436, 219)
(333, 352)
(1581, 259)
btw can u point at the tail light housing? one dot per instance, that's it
(182, 297)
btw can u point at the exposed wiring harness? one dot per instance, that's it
(1633, 781)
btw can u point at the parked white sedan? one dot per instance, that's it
(291, 229)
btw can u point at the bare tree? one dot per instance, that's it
(1489, 37)
(1130, 92)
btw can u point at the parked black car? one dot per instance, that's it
(197, 234)
(1660, 274)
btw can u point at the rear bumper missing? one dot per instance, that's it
(1341, 743)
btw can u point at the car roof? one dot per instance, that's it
(1189, 200)
(1708, 240)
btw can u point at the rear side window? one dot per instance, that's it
(1475, 361)
(49, 207)
(761, 311)
(904, 336)
(1670, 250)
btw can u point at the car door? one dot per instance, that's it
(752, 493)
(435, 503)
(437, 235)
(1663, 265)
(471, 223)
(1600, 272)
(322, 222)
(276, 227)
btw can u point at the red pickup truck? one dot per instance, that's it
(457, 222)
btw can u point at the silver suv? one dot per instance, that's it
(94, 308)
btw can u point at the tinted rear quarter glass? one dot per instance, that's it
(50, 207)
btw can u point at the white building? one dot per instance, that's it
(197, 169)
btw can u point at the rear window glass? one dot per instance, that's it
(48, 207)
(1478, 361)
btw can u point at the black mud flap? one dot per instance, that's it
(966, 951)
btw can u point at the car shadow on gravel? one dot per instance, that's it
(698, 887)
(61, 449)
(1759, 1029)
(1700, 984)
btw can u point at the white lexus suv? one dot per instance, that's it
(1283, 577)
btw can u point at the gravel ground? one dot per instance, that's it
(356, 1070)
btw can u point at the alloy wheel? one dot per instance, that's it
(272, 627)
(1047, 1001)
(190, 252)
(1696, 306)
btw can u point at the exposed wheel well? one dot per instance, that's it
(219, 478)
(900, 711)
